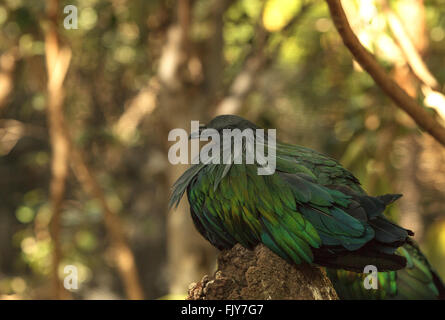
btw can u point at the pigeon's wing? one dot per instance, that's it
(287, 211)
(326, 170)
(244, 207)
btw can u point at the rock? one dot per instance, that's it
(260, 274)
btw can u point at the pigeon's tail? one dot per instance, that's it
(387, 199)
(357, 261)
(439, 284)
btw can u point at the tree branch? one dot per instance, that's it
(57, 63)
(412, 56)
(122, 253)
(369, 63)
(8, 62)
(143, 104)
(256, 59)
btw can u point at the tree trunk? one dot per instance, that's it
(261, 275)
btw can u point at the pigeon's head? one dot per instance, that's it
(222, 122)
(229, 121)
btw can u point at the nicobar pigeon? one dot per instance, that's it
(310, 209)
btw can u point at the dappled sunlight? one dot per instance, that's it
(85, 116)
(277, 13)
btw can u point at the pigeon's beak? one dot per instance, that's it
(196, 134)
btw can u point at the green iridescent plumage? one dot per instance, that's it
(310, 209)
(417, 281)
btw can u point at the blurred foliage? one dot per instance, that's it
(311, 92)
